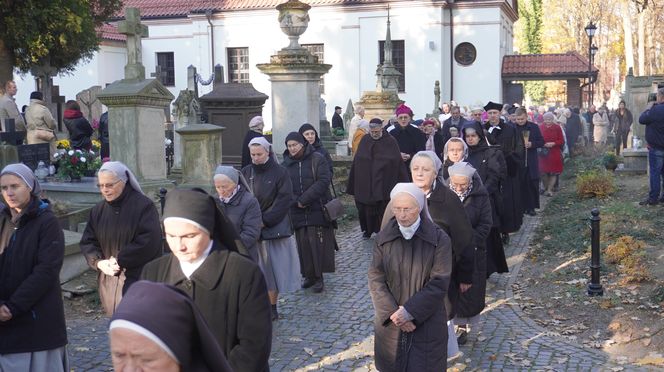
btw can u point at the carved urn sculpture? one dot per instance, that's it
(293, 20)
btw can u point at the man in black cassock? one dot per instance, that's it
(337, 121)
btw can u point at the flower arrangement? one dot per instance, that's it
(96, 145)
(73, 163)
(63, 144)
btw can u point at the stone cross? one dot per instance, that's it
(134, 30)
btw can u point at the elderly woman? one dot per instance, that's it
(363, 129)
(454, 151)
(310, 177)
(240, 206)
(408, 136)
(32, 246)
(601, 127)
(377, 167)
(490, 166)
(158, 328)
(550, 156)
(208, 264)
(408, 279)
(122, 234)
(277, 248)
(467, 185)
(311, 135)
(255, 130)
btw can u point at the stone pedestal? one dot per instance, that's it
(201, 153)
(637, 89)
(136, 111)
(379, 104)
(635, 161)
(8, 155)
(295, 93)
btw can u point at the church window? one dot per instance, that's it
(238, 65)
(398, 59)
(319, 51)
(166, 61)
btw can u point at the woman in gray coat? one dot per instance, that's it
(408, 280)
(240, 206)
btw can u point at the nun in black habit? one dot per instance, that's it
(209, 264)
(159, 324)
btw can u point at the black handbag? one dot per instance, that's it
(333, 209)
(283, 229)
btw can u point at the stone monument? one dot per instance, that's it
(295, 75)
(186, 110)
(90, 105)
(383, 101)
(136, 110)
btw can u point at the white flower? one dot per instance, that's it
(83, 160)
(56, 155)
(71, 152)
(167, 141)
(79, 151)
(92, 152)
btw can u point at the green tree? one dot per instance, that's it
(58, 33)
(530, 42)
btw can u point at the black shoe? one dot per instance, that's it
(462, 338)
(366, 234)
(531, 212)
(649, 202)
(275, 313)
(308, 282)
(319, 286)
(505, 237)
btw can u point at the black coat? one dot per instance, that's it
(310, 189)
(318, 146)
(411, 140)
(30, 264)
(103, 135)
(231, 293)
(337, 121)
(80, 132)
(504, 135)
(573, 129)
(537, 141)
(244, 212)
(128, 229)
(414, 274)
(272, 186)
(490, 165)
(447, 124)
(246, 155)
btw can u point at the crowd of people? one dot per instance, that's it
(441, 196)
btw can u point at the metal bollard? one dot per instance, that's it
(162, 201)
(162, 198)
(594, 288)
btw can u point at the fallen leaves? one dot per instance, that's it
(654, 359)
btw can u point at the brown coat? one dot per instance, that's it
(414, 274)
(39, 117)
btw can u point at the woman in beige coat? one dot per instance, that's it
(40, 122)
(601, 127)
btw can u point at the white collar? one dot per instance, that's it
(188, 268)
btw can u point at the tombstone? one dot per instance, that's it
(136, 110)
(232, 105)
(91, 107)
(201, 149)
(31, 155)
(8, 140)
(295, 76)
(348, 114)
(186, 110)
(159, 75)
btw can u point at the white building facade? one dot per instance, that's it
(346, 35)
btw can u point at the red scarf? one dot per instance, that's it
(72, 114)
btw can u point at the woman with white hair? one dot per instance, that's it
(33, 335)
(240, 206)
(550, 156)
(123, 233)
(256, 125)
(408, 279)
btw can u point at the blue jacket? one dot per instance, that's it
(653, 119)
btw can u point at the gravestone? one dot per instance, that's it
(186, 110)
(8, 140)
(91, 106)
(31, 155)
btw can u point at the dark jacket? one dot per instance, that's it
(79, 129)
(537, 141)
(245, 213)
(272, 187)
(621, 123)
(477, 206)
(573, 129)
(231, 293)
(246, 155)
(337, 121)
(103, 135)
(377, 167)
(411, 140)
(504, 135)
(310, 189)
(128, 229)
(414, 274)
(30, 264)
(447, 212)
(653, 119)
(447, 124)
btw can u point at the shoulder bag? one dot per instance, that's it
(333, 209)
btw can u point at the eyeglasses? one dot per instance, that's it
(101, 186)
(403, 210)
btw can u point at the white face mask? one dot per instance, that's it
(409, 231)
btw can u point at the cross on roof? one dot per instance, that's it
(134, 30)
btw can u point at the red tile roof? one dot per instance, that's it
(181, 8)
(546, 65)
(110, 32)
